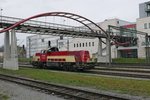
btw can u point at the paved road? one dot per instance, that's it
(19, 92)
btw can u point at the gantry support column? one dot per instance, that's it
(6, 48)
(100, 58)
(108, 51)
(107, 57)
(10, 51)
(14, 54)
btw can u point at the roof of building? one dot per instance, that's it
(129, 26)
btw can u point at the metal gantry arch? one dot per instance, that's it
(84, 21)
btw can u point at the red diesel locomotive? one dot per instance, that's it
(66, 60)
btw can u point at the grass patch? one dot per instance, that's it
(128, 60)
(3, 97)
(129, 86)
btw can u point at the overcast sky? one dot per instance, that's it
(95, 10)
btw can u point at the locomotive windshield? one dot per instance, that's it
(43, 51)
(53, 49)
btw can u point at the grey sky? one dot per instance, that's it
(96, 10)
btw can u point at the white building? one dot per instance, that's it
(143, 24)
(144, 9)
(115, 52)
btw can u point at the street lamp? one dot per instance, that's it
(64, 21)
(1, 16)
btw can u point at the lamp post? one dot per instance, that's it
(109, 46)
(1, 16)
(64, 22)
(29, 47)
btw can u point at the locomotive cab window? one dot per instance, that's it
(43, 51)
(53, 49)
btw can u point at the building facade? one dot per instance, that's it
(128, 43)
(143, 25)
(144, 10)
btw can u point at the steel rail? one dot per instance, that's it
(125, 65)
(145, 74)
(120, 74)
(72, 93)
(137, 70)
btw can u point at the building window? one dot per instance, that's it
(74, 45)
(92, 43)
(148, 14)
(77, 44)
(89, 44)
(145, 26)
(80, 44)
(60, 44)
(148, 6)
(42, 40)
(49, 43)
(86, 44)
(149, 25)
(117, 22)
(83, 44)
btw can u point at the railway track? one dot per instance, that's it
(66, 92)
(120, 73)
(114, 65)
(126, 65)
(123, 72)
(136, 70)
(116, 71)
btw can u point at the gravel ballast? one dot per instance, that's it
(19, 92)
